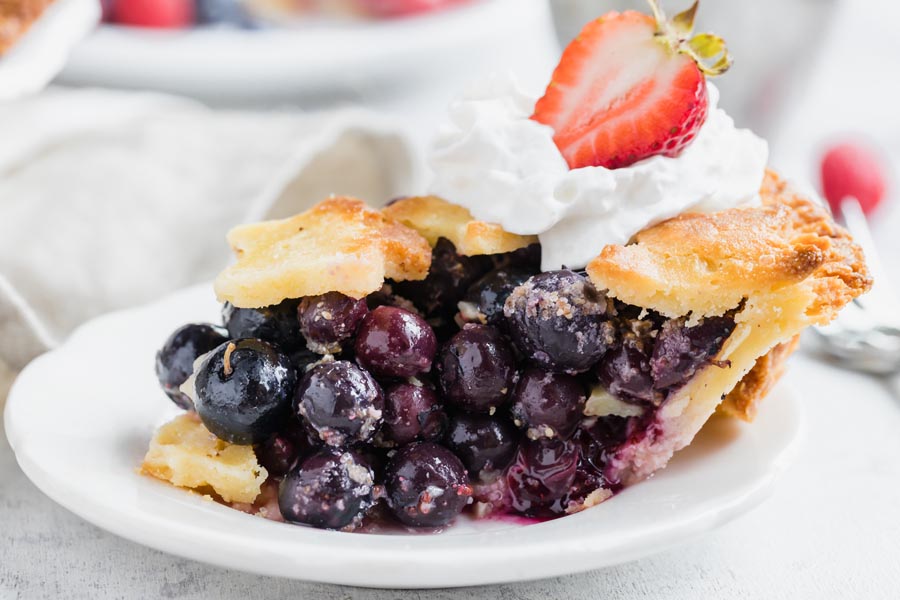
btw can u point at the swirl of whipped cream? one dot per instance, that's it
(506, 169)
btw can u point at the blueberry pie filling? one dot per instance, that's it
(473, 384)
(436, 357)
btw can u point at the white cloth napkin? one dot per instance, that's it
(110, 199)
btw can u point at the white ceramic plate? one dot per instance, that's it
(79, 420)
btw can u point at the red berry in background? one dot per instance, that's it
(398, 8)
(163, 14)
(852, 169)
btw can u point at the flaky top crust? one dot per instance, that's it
(707, 264)
(339, 245)
(436, 218)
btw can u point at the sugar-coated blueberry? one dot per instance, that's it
(559, 320)
(331, 489)
(476, 369)
(427, 485)
(329, 320)
(340, 403)
(393, 342)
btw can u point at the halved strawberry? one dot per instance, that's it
(630, 86)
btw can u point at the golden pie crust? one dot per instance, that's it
(16, 18)
(706, 264)
(339, 245)
(743, 401)
(785, 265)
(435, 218)
(185, 453)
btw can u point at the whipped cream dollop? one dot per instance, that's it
(506, 169)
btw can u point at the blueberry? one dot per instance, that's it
(340, 403)
(542, 475)
(277, 324)
(548, 404)
(449, 276)
(485, 444)
(625, 372)
(331, 489)
(476, 369)
(595, 443)
(329, 320)
(680, 350)
(175, 360)
(559, 320)
(412, 411)
(484, 300)
(393, 342)
(244, 390)
(427, 485)
(278, 454)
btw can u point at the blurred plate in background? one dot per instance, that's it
(388, 63)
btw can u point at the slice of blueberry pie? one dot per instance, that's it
(612, 265)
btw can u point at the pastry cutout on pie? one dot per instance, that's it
(184, 453)
(436, 218)
(339, 245)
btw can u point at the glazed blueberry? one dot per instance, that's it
(393, 342)
(331, 490)
(548, 404)
(595, 443)
(559, 320)
(175, 360)
(276, 324)
(625, 372)
(412, 411)
(329, 320)
(485, 444)
(449, 276)
(427, 485)
(542, 475)
(680, 351)
(340, 403)
(476, 369)
(278, 454)
(244, 390)
(484, 300)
